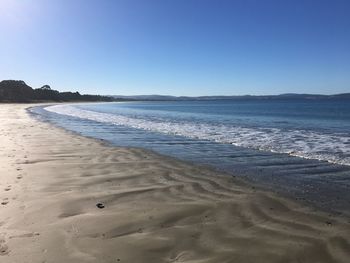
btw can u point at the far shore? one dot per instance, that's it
(67, 198)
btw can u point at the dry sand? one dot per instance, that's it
(156, 209)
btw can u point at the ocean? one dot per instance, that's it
(300, 148)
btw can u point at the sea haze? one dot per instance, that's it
(292, 146)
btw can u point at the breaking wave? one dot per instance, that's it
(331, 147)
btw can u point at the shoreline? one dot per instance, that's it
(156, 208)
(245, 182)
(289, 183)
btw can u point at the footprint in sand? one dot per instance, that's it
(19, 176)
(4, 201)
(8, 188)
(4, 250)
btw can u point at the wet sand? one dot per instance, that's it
(66, 198)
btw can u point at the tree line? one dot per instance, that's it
(19, 91)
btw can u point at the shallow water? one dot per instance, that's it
(309, 129)
(299, 148)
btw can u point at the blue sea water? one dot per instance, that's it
(298, 147)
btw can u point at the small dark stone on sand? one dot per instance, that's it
(100, 205)
(329, 223)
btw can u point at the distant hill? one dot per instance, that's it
(19, 91)
(288, 96)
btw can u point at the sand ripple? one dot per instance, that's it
(156, 209)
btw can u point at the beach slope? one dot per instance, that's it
(66, 198)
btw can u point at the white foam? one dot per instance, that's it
(303, 143)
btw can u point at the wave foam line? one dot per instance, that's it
(302, 143)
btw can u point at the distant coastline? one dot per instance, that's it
(288, 96)
(18, 91)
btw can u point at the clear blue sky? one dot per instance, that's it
(177, 47)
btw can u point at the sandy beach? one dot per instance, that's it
(66, 198)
